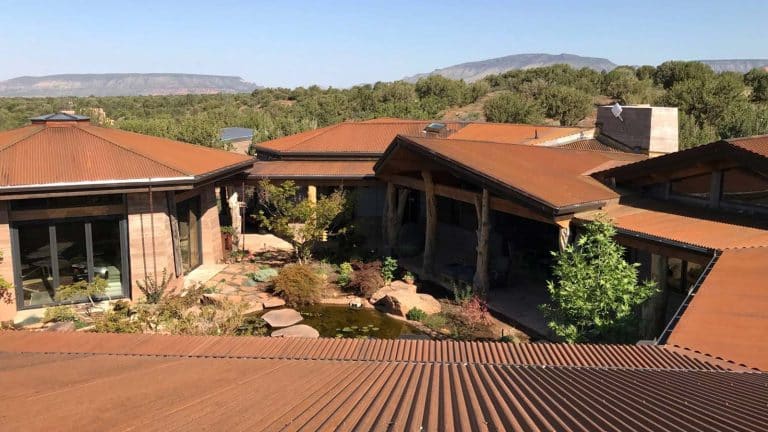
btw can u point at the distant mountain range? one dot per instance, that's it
(123, 84)
(476, 70)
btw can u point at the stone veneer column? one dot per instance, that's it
(143, 259)
(213, 251)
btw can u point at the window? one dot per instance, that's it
(51, 254)
(682, 275)
(745, 187)
(188, 215)
(694, 187)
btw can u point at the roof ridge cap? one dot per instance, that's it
(13, 143)
(138, 153)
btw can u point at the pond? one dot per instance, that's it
(342, 321)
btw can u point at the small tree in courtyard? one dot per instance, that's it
(301, 222)
(595, 290)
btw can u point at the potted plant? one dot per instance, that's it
(409, 278)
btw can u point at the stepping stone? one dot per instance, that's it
(273, 303)
(282, 318)
(67, 326)
(253, 308)
(298, 331)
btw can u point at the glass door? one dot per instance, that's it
(188, 215)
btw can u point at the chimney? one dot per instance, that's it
(642, 128)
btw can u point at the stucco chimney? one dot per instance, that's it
(643, 128)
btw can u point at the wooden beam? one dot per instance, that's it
(68, 212)
(431, 229)
(498, 204)
(33, 195)
(388, 218)
(482, 206)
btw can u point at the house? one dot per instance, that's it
(79, 201)
(344, 154)
(692, 218)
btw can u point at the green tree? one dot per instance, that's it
(757, 79)
(670, 73)
(299, 221)
(566, 104)
(595, 291)
(692, 134)
(510, 107)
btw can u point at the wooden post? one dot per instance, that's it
(170, 196)
(563, 235)
(431, 229)
(312, 193)
(482, 205)
(402, 200)
(389, 216)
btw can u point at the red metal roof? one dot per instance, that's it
(47, 153)
(728, 316)
(583, 355)
(588, 144)
(672, 222)
(47, 391)
(293, 169)
(551, 175)
(510, 133)
(373, 136)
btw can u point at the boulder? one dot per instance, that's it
(300, 331)
(394, 287)
(61, 326)
(400, 302)
(213, 299)
(282, 317)
(273, 302)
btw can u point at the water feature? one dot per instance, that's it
(342, 321)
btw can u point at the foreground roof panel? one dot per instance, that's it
(728, 316)
(108, 392)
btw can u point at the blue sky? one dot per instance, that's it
(341, 43)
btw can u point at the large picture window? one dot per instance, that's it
(49, 255)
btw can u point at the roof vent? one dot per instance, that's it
(59, 117)
(435, 128)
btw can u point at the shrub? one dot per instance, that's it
(416, 314)
(366, 279)
(298, 284)
(475, 312)
(152, 288)
(388, 269)
(59, 314)
(117, 320)
(435, 322)
(263, 275)
(462, 292)
(345, 274)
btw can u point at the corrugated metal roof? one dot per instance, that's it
(728, 316)
(373, 136)
(588, 144)
(692, 227)
(60, 116)
(551, 175)
(76, 152)
(510, 133)
(291, 169)
(424, 351)
(105, 392)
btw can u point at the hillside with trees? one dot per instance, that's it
(712, 105)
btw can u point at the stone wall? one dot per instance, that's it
(7, 311)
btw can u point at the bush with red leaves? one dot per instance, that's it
(366, 278)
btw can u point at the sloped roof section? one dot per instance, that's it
(592, 144)
(510, 133)
(229, 392)
(429, 351)
(54, 152)
(728, 316)
(695, 227)
(312, 169)
(552, 176)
